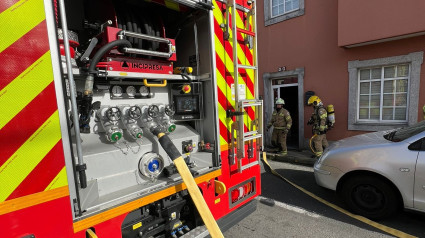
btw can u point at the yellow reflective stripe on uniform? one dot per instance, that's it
(323, 116)
(322, 128)
(19, 19)
(24, 88)
(17, 168)
(59, 181)
(288, 118)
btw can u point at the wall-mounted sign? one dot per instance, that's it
(280, 69)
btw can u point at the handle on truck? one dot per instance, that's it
(162, 84)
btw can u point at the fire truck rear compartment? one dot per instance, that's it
(124, 159)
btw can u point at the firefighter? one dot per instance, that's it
(281, 122)
(319, 122)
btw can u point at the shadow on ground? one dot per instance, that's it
(275, 188)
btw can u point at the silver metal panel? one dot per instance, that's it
(114, 167)
(104, 159)
(60, 99)
(89, 195)
(215, 92)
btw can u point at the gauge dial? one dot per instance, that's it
(144, 91)
(131, 91)
(116, 91)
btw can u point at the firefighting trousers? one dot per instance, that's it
(320, 143)
(279, 139)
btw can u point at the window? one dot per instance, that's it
(280, 7)
(383, 93)
(280, 10)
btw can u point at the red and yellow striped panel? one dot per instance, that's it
(31, 158)
(225, 71)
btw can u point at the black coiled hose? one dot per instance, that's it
(88, 88)
(105, 49)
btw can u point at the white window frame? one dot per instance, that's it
(415, 61)
(269, 19)
(381, 106)
(284, 8)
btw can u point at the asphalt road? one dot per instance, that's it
(296, 214)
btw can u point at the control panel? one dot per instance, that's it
(187, 101)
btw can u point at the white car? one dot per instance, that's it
(377, 173)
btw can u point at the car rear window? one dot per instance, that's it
(405, 132)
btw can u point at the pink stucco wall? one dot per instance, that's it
(362, 21)
(311, 41)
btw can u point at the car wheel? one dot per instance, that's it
(370, 196)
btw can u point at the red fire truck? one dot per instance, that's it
(128, 118)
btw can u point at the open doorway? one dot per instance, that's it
(287, 89)
(290, 95)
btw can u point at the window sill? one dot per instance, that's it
(373, 126)
(289, 15)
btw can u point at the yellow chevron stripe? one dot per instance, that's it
(222, 84)
(19, 19)
(222, 117)
(24, 88)
(229, 66)
(241, 55)
(222, 53)
(59, 181)
(172, 5)
(26, 158)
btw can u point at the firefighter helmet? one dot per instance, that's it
(280, 101)
(314, 100)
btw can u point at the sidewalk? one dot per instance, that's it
(295, 157)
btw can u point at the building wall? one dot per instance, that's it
(310, 41)
(362, 21)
